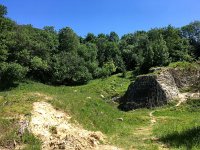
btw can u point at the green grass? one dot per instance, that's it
(14, 103)
(8, 128)
(179, 127)
(31, 142)
(184, 65)
(91, 106)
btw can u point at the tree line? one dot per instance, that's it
(65, 58)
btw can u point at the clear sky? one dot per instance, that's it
(103, 16)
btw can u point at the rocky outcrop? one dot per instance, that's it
(158, 88)
(185, 77)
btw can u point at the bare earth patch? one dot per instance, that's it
(53, 127)
(184, 96)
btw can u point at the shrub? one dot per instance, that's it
(107, 69)
(11, 72)
(81, 75)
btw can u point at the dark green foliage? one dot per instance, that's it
(177, 45)
(3, 11)
(107, 69)
(69, 69)
(38, 69)
(12, 72)
(156, 53)
(192, 33)
(88, 52)
(161, 52)
(109, 51)
(132, 47)
(90, 38)
(3, 53)
(157, 47)
(68, 40)
(148, 59)
(66, 58)
(113, 37)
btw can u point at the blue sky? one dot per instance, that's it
(103, 16)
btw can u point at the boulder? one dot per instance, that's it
(157, 88)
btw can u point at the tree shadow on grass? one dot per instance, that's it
(7, 86)
(188, 138)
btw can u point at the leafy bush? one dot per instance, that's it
(12, 72)
(69, 69)
(37, 63)
(107, 69)
(81, 75)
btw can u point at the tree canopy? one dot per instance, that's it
(63, 57)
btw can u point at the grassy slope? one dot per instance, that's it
(179, 127)
(86, 106)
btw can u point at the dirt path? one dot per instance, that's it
(152, 117)
(182, 98)
(55, 131)
(153, 121)
(145, 133)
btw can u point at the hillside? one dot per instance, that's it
(59, 90)
(90, 106)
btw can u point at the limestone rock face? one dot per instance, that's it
(167, 83)
(157, 89)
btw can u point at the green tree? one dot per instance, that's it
(50, 29)
(106, 70)
(132, 47)
(68, 40)
(88, 52)
(69, 68)
(109, 51)
(159, 48)
(178, 47)
(113, 37)
(192, 32)
(161, 54)
(3, 10)
(148, 59)
(90, 38)
(3, 53)
(11, 72)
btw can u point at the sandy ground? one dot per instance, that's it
(53, 127)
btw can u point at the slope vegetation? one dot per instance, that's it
(93, 107)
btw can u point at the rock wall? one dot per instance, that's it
(184, 78)
(157, 89)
